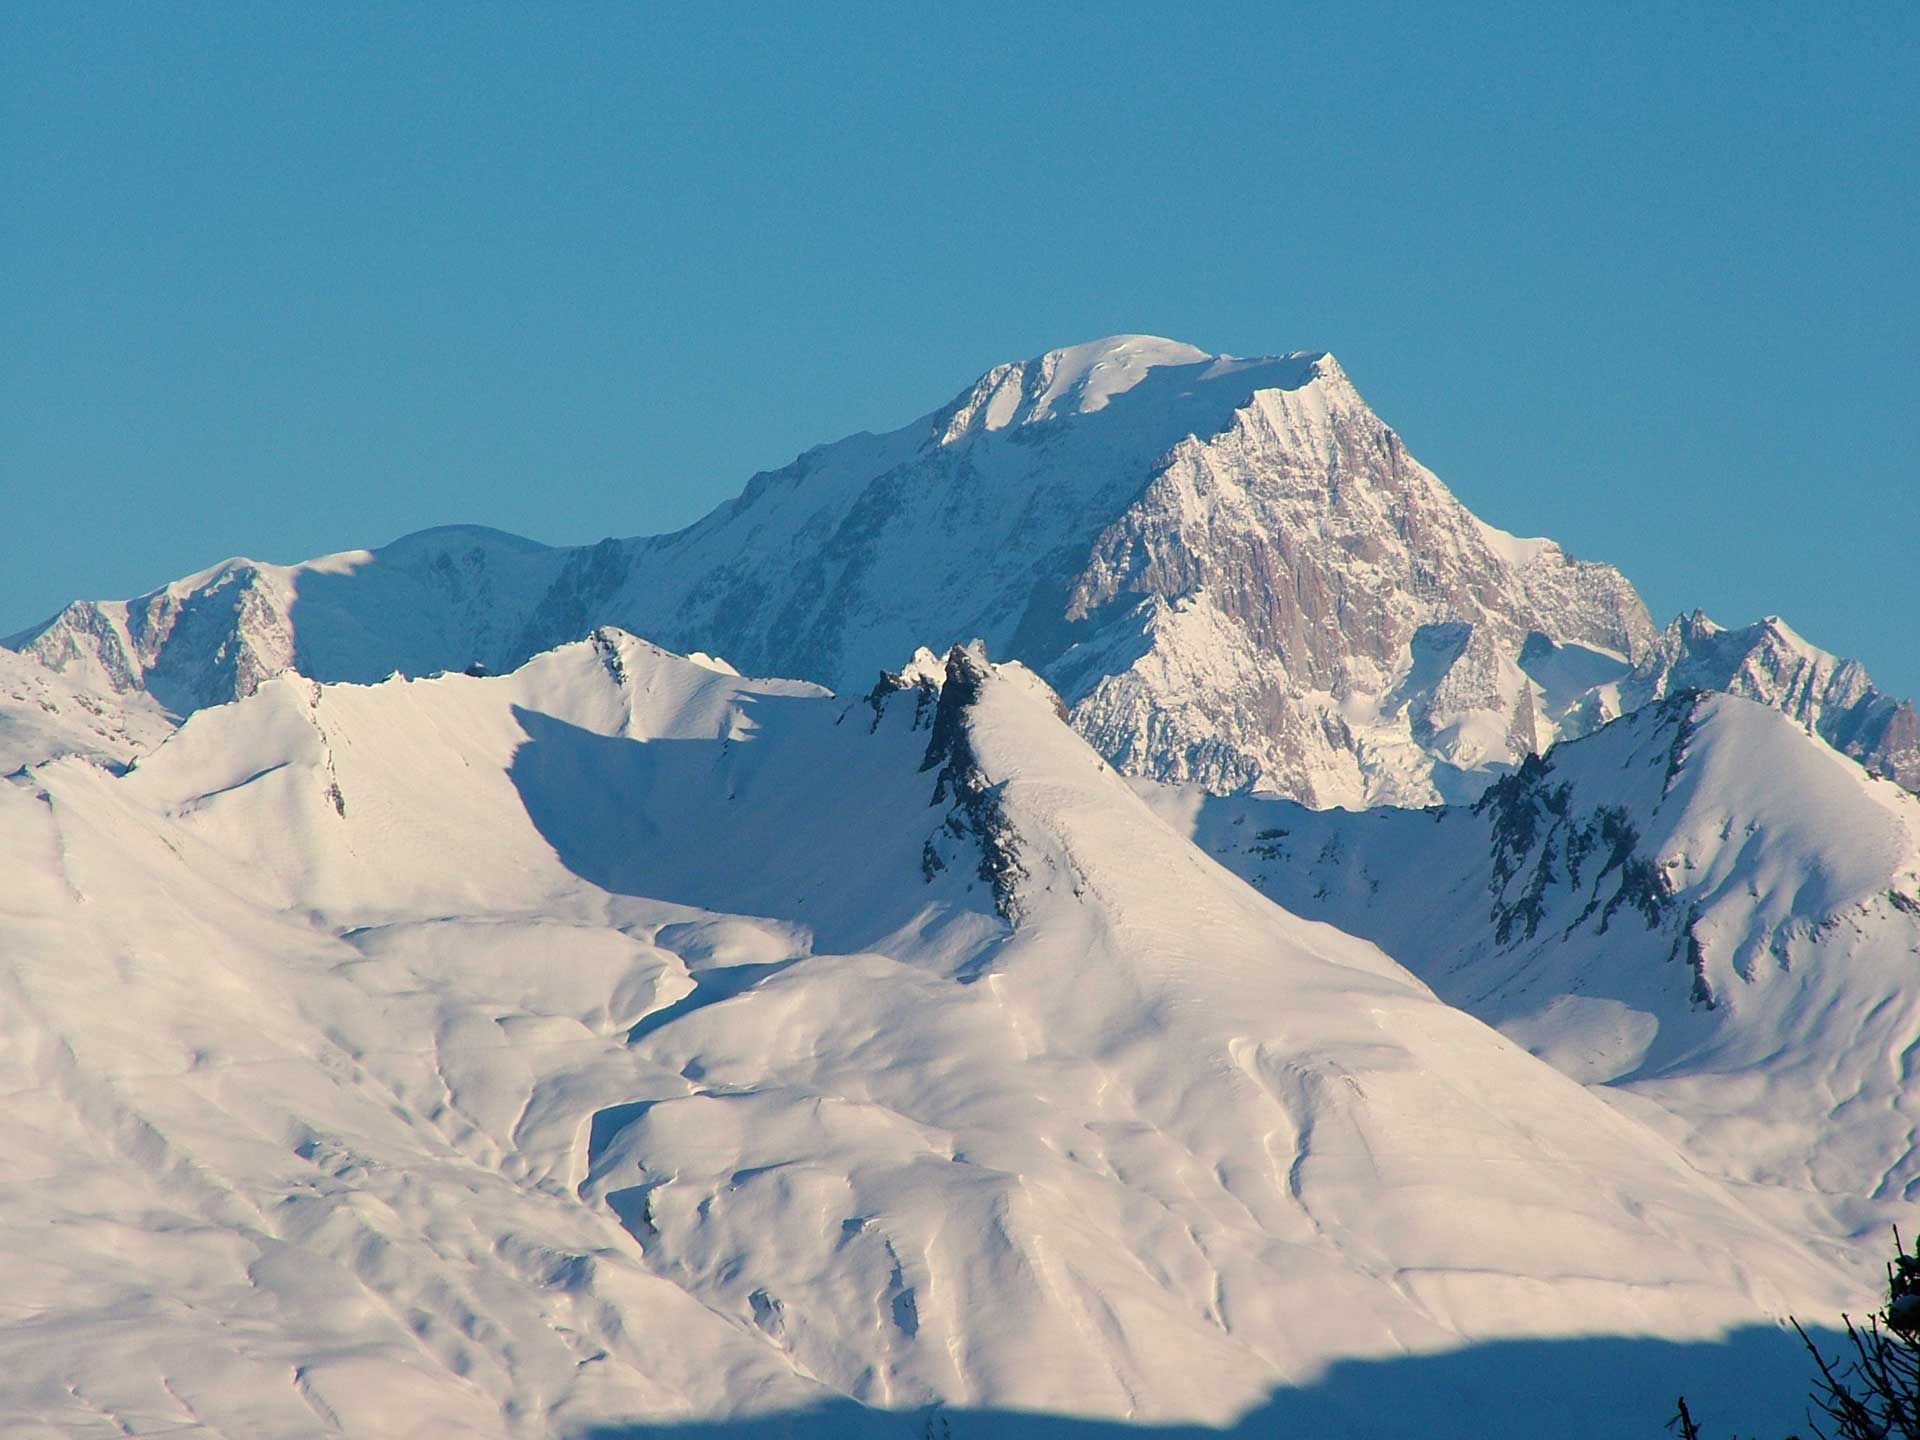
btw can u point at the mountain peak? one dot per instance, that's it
(1086, 379)
(445, 537)
(1083, 378)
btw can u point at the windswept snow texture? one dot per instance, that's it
(1232, 571)
(623, 1039)
(1699, 908)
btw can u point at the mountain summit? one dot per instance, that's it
(1231, 569)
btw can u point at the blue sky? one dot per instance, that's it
(278, 282)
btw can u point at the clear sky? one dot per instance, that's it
(280, 280)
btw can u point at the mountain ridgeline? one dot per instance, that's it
(1231, 570)
(1696, 907)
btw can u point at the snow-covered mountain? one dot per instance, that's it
(435, 600)
(1231, 570)
(623, 1039)
(1699, 908)
(1768, 662)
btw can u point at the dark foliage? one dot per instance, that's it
(1871, 1389)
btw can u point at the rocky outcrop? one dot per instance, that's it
(1767, 661)
(974, 813)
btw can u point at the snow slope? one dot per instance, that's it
(438, 599)
(622, 1038)
(44, 714)
(1231, 569)
(1699, 909)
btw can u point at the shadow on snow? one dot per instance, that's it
(1600, 1388)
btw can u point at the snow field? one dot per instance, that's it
(597, 1042)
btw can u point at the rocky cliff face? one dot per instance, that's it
(1232, 571)
(1320, 616)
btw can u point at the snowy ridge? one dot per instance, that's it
(44, 715)
(1768, 662)
(506, 1056)
(434, 600)
(1699, 908)
(1231, 569)
(1077, 380)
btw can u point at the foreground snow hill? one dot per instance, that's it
(1699, 908)
(625, 1042)
(1231, 569)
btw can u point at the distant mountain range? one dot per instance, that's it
(1231, 570)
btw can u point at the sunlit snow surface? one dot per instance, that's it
(44, 714)
(1700, 910)
(622, 1040)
